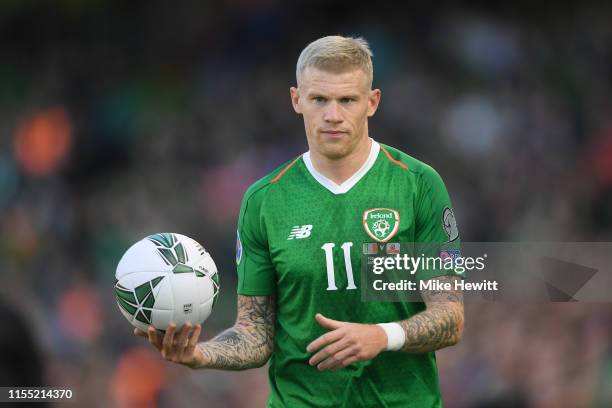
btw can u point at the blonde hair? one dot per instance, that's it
(335, 53)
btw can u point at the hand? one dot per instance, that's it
(346, 343)
(179, 348)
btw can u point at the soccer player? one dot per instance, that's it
(301, 231)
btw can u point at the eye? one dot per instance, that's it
(346, 100)
(318, 99)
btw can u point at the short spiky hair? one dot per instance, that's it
(336, 54)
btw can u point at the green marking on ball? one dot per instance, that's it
(138, 303)
(163, 239)
(180, 268)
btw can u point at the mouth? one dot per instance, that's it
(333, 133)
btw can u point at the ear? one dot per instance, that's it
(373, 101)
(295, 99)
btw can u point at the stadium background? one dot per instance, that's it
(120, 119)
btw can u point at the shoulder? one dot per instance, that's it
(419, 169)
(258, 190)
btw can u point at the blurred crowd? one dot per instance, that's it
(122, 119)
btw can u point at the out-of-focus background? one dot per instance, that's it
(121, 119)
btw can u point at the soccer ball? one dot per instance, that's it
(165, 278)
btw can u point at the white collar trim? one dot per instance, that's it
(351, 181)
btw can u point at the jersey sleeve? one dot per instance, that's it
(436, 229)
(256, 273)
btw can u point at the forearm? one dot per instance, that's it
(436, 327)
(237, 348)
(249, 343)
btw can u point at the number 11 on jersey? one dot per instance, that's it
(328, 248)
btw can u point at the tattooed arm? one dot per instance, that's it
(247, 344)
(440, 325)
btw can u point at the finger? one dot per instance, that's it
(154, 338)
(140, 333)
(193, 340)
(337, 360)
(183, 335)
(329, 362)
(169, 340)
(325, 339)
(346, 354)
(182, 341)
(350, 361)
(328, 323)
(327, 352)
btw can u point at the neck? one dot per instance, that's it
(340, 170)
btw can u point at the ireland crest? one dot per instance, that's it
(381, 223)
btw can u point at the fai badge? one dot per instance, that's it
(381, 223)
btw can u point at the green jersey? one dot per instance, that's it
(300, 238)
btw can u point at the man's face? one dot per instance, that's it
(336, 108)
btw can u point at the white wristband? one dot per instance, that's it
(396, 337)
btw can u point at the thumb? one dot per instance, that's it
(140, 333)
(328, 323)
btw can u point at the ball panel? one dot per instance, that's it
(186, 298)
(164, 298)
(125, 314)
(206, 289)
(139, 325)
(206, 309)
(136, 295)
(142, 256)
(161, 319)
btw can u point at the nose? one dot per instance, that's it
(332, 113)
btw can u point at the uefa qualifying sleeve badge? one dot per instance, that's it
(450, 224)
(238, 248)
(381, 224)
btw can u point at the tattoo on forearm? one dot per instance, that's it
(249, 342)
(440, 325)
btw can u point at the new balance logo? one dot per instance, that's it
(298, 232)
